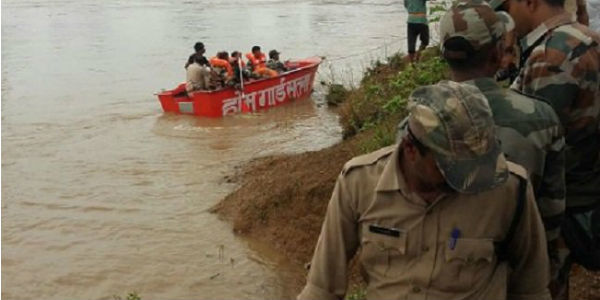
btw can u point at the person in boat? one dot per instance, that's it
(236, 58)
(274, 63)
(221, 69)
(199, 52)
(237, 62)
(257, 64)
(198, 75)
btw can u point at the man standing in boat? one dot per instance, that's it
(417, 26)
(199, 54)
(197, 70)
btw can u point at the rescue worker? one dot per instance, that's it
(529, 130)
(239, 68)
(236, 58)
(197, 75)
(222, 70)
(199, 52)
(561, 64)
(257, 64)
(416, 27)
(274, 63)
(256, 59)
(429, 212)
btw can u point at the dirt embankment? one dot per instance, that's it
(282, 200)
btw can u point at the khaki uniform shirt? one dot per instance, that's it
(197, 77)
(418, 263)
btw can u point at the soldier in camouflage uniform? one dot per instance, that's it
(528, 129)
(561, 64)
(429, 212)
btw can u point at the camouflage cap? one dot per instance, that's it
(495, 3)
(455, 122)
(476, 22)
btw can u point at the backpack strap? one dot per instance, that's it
(501, 247)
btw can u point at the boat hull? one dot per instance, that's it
(260, 94)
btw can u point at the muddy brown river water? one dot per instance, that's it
(102, 193)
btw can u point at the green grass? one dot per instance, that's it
(357, 293)
(130, 296)
(379, 103)
(383, 94)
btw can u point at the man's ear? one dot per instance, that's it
(532, 5)
(496, 55)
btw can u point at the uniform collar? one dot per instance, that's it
(391, 178)
(558, 20)
(484, 84)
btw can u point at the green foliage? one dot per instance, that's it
(357, 293)
(130, 296)
(379, 103)
(372, 90)
(337, 94)
(383, 136)
(413, 76)
(436, 11)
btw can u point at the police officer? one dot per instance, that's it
(529, 130)
(435, 214)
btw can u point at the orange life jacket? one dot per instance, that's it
(221, 63)
(257, 62)
(266, 72)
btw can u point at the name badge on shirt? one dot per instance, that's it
(385, 231)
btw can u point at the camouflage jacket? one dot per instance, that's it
(562, 66)
(276, 65)
(530, 134)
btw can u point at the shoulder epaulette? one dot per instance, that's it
(517, 170)
(368, 159)
(532, 96)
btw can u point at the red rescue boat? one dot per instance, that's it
(259, 94)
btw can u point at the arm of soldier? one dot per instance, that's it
(338, 241)
(552, 190)
(530, 277)
(565, 85)
(544, 76)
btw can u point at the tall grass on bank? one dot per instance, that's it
(379, 103)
